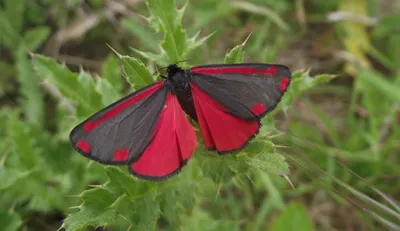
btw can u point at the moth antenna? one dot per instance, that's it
(158, 70)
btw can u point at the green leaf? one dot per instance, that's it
(111, 71)
(34, 13)
(108, 94)
(126, 183)
(167, 19)
(122, 197)
(6, 68)
(8, 72)
(236, 55)
(9, 177)
(9, 220)
(22, 142)
(9, 37)
(14, 10)
(144, 210)
(301, 82)
(94, 211)
(136, 73)
(269, 162)
(32, 97)
(161, 59)
(294, 218)
(193, 42)
(147, 212)
(147, 37)
(34, 37)
(87, 89)
(200, 220)
(71, 86)
(32, 173)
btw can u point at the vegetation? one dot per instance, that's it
(335, 134)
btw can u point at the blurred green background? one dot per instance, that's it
(343, 107)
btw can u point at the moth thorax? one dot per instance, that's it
(179, 81)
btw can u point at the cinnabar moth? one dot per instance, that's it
(148, 131)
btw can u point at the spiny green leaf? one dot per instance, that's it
(269, 162)
(145, 207)
(33, 38)
(32, 101)
(87, 90)
(32, 171)
(132, 187)
(22, 142)
(8, 177)
(121, 197)
(236, 55)
(71, 86)
(147, 212)
(161, 59)
(6, 68)
(136, 73)
(94, 211)
(9, 220)
(59, 76)
(175, 46)
(267, 124)
(200, 220)
(293, 218)
(147, 37)
(261, 154)
(302, 81)
(9, 37)
(111, 71)
(168, 18)
(14, 10)
(107, 92)
(193, 42)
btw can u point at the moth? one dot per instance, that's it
(149, 132)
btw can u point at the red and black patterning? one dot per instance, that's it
(148, 131)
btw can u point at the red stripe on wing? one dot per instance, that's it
(118, 108)
(172, 145)
(220, 129)
(271, 70)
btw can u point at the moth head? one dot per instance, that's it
(172, 69)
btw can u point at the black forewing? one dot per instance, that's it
(248, 91)
(119, 133)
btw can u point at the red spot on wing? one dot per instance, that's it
(220, 129)
(271, 70)
(121, 106)
(283, 84)
(120, 155)
(82, 145)
(258, 109)
(172, 143)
